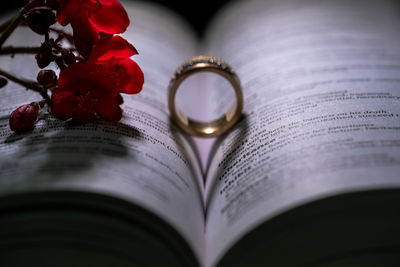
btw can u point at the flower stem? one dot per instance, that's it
(19, 50)
(31, 85)
(4, 25)
(16, 20)
(64, 34)
(41, 103)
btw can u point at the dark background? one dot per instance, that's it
(197, 13)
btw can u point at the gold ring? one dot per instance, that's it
(199, 128)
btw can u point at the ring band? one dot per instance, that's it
(199, 128)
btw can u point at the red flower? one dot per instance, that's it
(94, 87)
(24, 118)
(90, 17)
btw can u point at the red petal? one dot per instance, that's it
(103, 80)
(85, 35)
(116, 46)
(82, 116)
(105, 2)
(63, 104)
(109, 109)
(65, 9)
(120, 76)
(119, 99)
(110, 18)
(71, 77)
(134, 78)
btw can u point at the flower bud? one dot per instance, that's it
(44, 57)
(3, 82)
(68, 57)
(47, 78)
(39, 19)
(24, 118)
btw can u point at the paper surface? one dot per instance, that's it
(322, 109)
(140, 159)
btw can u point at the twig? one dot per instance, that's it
(31, 85)
(19, 50)
(16, 20)
(4, 25)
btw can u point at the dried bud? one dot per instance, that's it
(3, 82)
(47, 78)
(68, 57)
(24, 118)
(44, 57)
(39, 19)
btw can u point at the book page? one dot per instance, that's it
(322, 109)
(142, 158)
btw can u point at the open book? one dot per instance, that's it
(310, 176)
